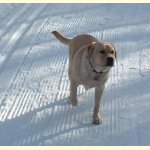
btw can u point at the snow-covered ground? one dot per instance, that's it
(34, 85)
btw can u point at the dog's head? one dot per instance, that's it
(103, 55)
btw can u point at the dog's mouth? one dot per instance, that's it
(110, 65)
(102, 69)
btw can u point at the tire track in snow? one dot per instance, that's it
(13, 20)
(17, 36)
(24, 103)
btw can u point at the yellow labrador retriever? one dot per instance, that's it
(89, 64)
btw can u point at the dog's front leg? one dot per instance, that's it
(98, 98)
(73, 94)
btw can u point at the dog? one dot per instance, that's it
(90, 61)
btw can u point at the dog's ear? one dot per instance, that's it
(115, 54)
(91, 48)
(115, 50)
(108, 43)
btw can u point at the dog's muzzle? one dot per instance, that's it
(110, 62)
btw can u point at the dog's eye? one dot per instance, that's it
(112, 52)
(102, 52)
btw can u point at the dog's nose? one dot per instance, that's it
(110, 61)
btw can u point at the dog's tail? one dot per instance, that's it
(61, 38)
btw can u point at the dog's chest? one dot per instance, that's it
(96, 81)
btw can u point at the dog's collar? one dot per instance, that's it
(94, 70)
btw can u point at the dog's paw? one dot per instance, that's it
(97, 121)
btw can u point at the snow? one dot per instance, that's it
(34, 85)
